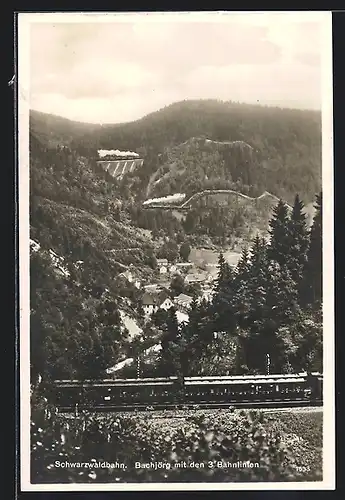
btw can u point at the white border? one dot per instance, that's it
(24, 20)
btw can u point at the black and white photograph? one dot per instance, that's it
(175, 176)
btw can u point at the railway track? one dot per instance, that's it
(297, 403)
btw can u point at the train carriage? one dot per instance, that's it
(195, 390)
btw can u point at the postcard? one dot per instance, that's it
(176, 255)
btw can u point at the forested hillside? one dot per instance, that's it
(98, 225)
(250, 168)
(74, 214)
(266, 314)
(281, 153)
(52, 130)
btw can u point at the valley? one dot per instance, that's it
(209, 177)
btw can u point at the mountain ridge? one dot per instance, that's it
(173, 105)
(189, 147)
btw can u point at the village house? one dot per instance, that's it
(162, 262)
(162, 265)
(128, 276)
(166, 304)
(152, 288)
(196, 277)
(183, 301)
(151, 302)
(183, 267)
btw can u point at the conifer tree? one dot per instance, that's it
(221, 272)
(313, 268)
(190, 345)
(253, 308)
(223, 301)
(242, 269)
(241, 287)
(225, 275)
(257, 281)
(278, 250)
(299, 240)
(169, 358)
(281, 310)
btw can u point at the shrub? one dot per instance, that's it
(212, 440)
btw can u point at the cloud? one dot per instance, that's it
(120, 71)
(280, 84)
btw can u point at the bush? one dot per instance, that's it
(210, 440)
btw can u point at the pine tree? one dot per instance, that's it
(223, 301)
(299, 240)
(242, 269)
(313, 268)
(185, 250)
(190, 345)
(252, 308)
(281, 297)
(241, 289)
(224, 274)
(281, 310)
(257, 281)
(169, 363)
(278, 250)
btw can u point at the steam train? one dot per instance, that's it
(232, 390)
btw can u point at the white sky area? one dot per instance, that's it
(130, 65)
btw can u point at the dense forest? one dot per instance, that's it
(98, 227)
(249, 167)
(73, 213)
(228, 223)
(266, 313)
(283, 152)
(269, 305)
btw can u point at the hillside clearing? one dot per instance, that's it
(209, 256)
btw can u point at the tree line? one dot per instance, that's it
(266, 314)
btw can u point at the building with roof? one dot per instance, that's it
(151, 302)
(162, 266)
(181, 267)
(154, 287)
(129, 277)
(195, 278)
(183, 301)
(162, 262)
(184, 265)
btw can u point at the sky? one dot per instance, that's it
(124, 68)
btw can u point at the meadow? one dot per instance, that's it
(209, 256)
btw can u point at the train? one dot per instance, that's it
(232, 390)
